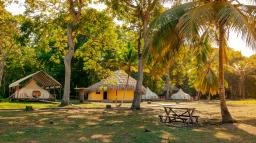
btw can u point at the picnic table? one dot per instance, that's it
(184, 115)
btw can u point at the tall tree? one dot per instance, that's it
(74, 11)
(8, 34)
(224, 15)
(138, 13)
(62, 14)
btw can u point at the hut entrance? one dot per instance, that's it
(86, 96)
(105, 95)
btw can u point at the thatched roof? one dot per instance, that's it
(117, 80)
(41, 77)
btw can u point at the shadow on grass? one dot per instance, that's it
(116, 126)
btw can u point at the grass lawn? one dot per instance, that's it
(242, 102)
(38, 105)
(19, 105)
(125, 126)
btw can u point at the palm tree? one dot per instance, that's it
(190, 19)
(206, 80)
(242, 69)
(129, 60)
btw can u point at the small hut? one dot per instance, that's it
(113, 88)
(35, 86)
(181, 95)
(150, 95)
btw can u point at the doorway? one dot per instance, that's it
(105, 95)
(86, 96)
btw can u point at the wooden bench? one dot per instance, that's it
(184, 115)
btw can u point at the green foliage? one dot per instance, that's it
(37, 41)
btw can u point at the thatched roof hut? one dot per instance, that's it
(116, 81)
(114, 88)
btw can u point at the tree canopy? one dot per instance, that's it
(177, 53)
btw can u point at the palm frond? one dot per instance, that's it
(165, 39)
(234, 19)
(196, 21)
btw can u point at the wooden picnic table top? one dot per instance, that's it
(179, 108)
(178, 111)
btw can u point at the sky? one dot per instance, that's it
(234, 41)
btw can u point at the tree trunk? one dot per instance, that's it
(126, 86)
(209, 97)
(67, 62)
(167, 85)
(1, 71)
(226, 116)
(75, 14)
(2, 63)
(138, 90)
(242, 85)
(81, 96)
(127, 82)
(198, 95)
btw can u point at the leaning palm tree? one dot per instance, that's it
(129, 60)
(190, 19)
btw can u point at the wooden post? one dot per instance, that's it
(54, 93)
(60, 93)
(10, 91)
(116, 95)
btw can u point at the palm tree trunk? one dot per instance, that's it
(240, 88)
(138, 90)
(127, 82)
(198, 95)
(167, 84)
(126, 86)
(226, 116)
(209, 97)
(242, 85)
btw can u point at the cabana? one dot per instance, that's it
(113, 88)
(150, 95)
(181, 95)
(35, 86)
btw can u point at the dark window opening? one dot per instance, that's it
(86, 96)
(105, 95)
(36, 94)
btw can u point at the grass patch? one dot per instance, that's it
(37, 105)
(242, 102)
(21, 105)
